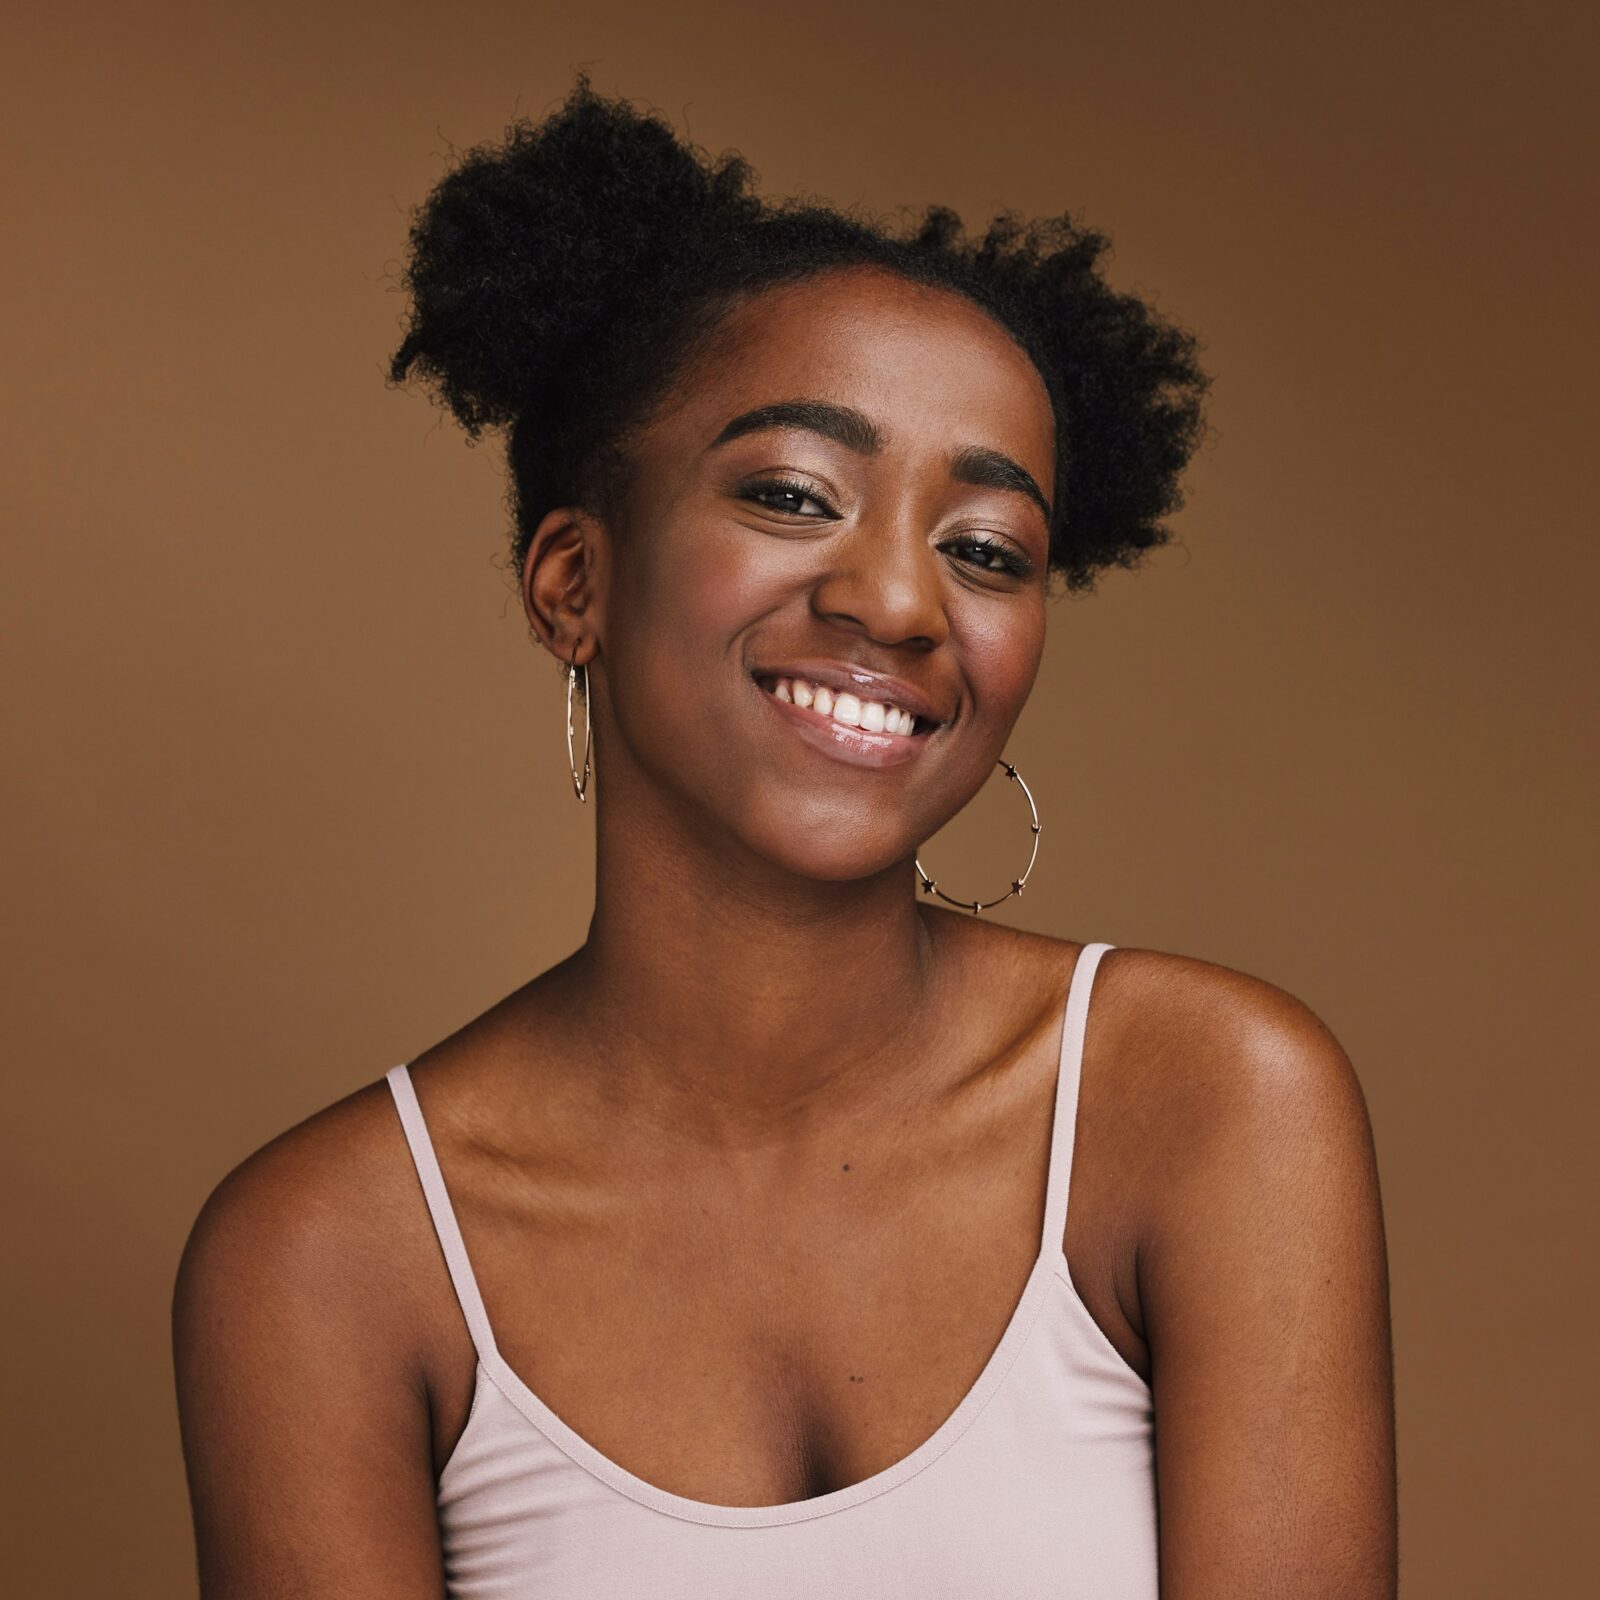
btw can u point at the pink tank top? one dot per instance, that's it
(1040, 1483)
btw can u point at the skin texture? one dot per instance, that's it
(752, 1180)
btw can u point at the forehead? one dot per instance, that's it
(929, 367)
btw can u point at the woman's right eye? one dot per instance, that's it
(785, 495)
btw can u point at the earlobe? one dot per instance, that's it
(561, 583)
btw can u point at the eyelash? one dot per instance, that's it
(781, 485)
(1016, 565)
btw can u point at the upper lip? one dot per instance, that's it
(862, 682)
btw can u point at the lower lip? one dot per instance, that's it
(854, 746)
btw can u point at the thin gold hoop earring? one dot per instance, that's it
(975, 906)
(579, 785)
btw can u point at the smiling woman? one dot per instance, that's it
(732, 1255)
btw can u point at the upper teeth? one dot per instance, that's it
(876, 716)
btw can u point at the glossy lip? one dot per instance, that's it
(859, 681)
(856, 747)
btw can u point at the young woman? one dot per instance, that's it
(733, 1255)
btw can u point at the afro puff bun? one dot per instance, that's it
(560, 279)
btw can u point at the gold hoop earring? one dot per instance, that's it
(975, 906)
(579, 785)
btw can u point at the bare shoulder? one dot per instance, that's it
(298, 1325)
(1224, 1052)
(1207, 1091)
(312, 1223)
(1242, 1139)
(1242, 1134)
(1199, 1045)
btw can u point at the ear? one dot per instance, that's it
(563, 582)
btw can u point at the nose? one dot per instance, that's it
(884, 581)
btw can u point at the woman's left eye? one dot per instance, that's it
(993, 556)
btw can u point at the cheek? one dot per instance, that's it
(683, 598)
(733, 578)
(689, 594)
(1001, 648)
(1000, 653)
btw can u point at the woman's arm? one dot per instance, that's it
(1264, 1292)
(304, 1415)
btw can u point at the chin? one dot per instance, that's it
(838, 851)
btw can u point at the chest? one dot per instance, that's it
(778, 1323)
(752, 1348)
(1042, 1485)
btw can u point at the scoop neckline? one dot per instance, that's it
(1049, 1262)
(599, 1465)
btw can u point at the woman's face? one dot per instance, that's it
(845, 490)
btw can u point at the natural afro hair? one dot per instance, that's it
(559, 281)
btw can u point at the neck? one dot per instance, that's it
(745, 995)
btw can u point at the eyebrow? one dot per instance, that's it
(989, 469)
(843, 424)
(977, 465)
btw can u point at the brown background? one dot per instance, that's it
(286, 779)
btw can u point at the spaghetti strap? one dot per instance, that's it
(439, 1207)
(1068, 1073)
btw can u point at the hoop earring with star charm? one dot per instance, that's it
(975, 906)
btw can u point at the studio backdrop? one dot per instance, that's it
(285, 780)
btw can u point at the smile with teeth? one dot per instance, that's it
(875, 716)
